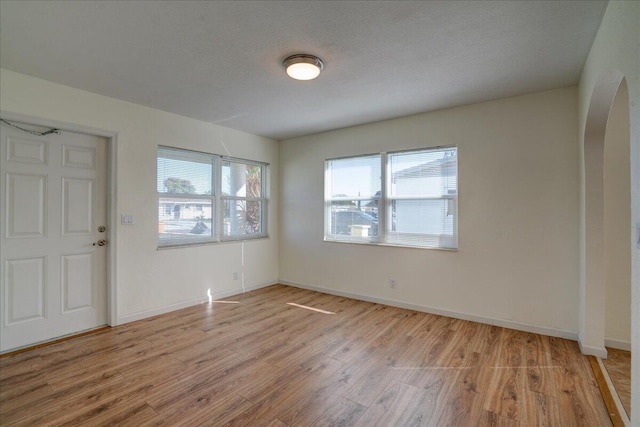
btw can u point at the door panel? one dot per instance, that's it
(53, 202)
(25, 289)
(77, 273)
(26, 151)
(77, 206)
(26, 205)
(78, 157)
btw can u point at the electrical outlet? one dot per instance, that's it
(235, 276)
(392, 283)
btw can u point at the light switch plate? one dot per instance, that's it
(126, 219)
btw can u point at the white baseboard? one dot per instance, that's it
(184, 304)
(592, 350)
(526, 327)
(617, 344)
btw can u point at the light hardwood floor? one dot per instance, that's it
(262, 362)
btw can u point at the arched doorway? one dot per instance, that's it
(617, 223)
(606, 229)
(617, 250)
(593, 271)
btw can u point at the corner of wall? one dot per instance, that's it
(590, 350)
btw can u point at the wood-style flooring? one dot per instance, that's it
(618, 364)
(262, 362)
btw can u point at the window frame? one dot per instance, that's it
(385, 204)
(263, 200)
(216, 198)
(329, 199)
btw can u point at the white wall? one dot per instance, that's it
(617, 224)
(517, 262)
(617, 49)
(150, 281)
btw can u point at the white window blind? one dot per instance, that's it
(421, 198)
(406, 198)
(186, 200)
(205, 198)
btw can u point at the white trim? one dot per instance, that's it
(112, 195)
(189, 303)
(71, 127)
(614, 394)
(526, 327)
(590, 350)
(112, 224)
(617, 344)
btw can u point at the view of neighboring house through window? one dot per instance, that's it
(406, 198)
(422, 197)
(206, 198)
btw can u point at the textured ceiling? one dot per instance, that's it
(220, 62)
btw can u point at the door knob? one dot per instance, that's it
(101, 242)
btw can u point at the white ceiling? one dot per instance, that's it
(220, 62)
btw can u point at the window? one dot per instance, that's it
(421, 198)
(206, 198)
(242, 199)
(353, 195)
(406, 198)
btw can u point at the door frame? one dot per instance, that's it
(111, 192)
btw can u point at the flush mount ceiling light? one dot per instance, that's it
(303, 67)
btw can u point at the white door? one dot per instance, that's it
(53, 205)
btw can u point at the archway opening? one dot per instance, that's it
(592, 265)
(605, 284)
(617, 250)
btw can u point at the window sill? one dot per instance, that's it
(391, 245)
(209, 243)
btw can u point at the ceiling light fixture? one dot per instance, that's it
(303, 67)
